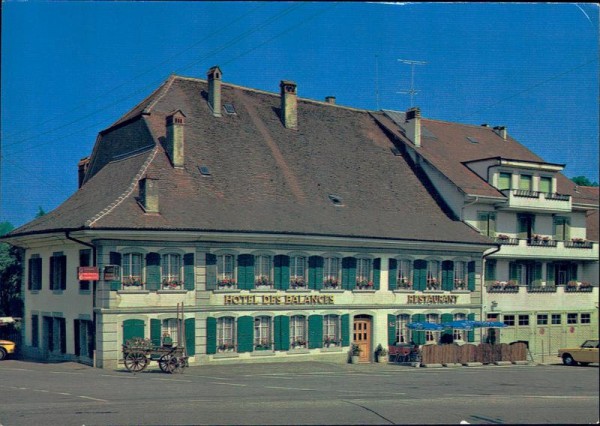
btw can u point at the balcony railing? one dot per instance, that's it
(579, 244)
(541, 242)
(502, 288)
(586, 288)
(541, 289)
(525, 193)
(507, 241)
(558, 197)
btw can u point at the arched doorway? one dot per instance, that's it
(362, 336)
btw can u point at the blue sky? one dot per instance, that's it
(71, 69)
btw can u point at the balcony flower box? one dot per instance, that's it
(404, 284)
(298, 344)
(574, 287)
(433, 284)
(542, 289)
(297, 283)
(460, 284)
(330, 342)
(332, 283)
(579, 243)
(262, 282)
(263, 345)
(503, 287)
(133, 283)
(172, 285)
(364, 285)
(226, 283)
(226, 347)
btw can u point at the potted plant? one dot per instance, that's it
(330, 283)
(404, 283)
(364, 285)
(380, 353)
(226, 283)
(354, 353)
(263, 281)
(297, 282)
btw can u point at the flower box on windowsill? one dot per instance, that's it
(172, 285)
(132, 284)
(298, 284)
(226, 284)
(575, 287)
(541, 289)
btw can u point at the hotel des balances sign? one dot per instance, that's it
(278, 300)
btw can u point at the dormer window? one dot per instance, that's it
(526, 182)
(545, 185)
(504, 181)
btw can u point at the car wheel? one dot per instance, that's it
(2, 354)
(568, 360)
(585, 363)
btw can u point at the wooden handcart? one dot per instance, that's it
(138, 353)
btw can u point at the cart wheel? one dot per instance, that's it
(136, 361)
(164, 361)
(173, 366)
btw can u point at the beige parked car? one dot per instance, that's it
(584, 355)
(6, 347)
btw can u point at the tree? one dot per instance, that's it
(10, 276)
(40, 212)
(583, 181)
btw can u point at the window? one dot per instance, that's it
(523, 319)
(586, 319)
(432, 336)
(556, 319)
(171, 271)
(433, 275)
(225, 334)
(487, 223)
(85, 259)
(456, 333)
(545, 185)
(460, 275)
(504, 181)
(571, 318)
(169, 329)
(331, 272)
(331, 331)
(298, 272)
(35, 331)
(515, 272)
(404, 274)
(58, 272)
(262, 271)
(525, 182)
(542, 319)
(562, 228)
(225, 271)
(533, 274)
(262, 333)
(509, 320)
(131, 270)
(490, 271)
(298, 332)
(363, 273)
(34, 281)
(402, 331)
(525, 225)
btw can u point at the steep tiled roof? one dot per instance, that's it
(592, 217)
(264, 178)
(448, 146)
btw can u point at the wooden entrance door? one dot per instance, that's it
(362, 338)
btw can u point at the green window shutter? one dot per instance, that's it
(76, 335)
(525, 182)
(420, 275)
(155, 331)
(211, 335)
(282, 272)
(537, 274)
(348, 273)
(63, 272)
(345, 330)
(545, 185)
(245, 272)
(282, 333)
(418, 337)
(550, 273)
(376, 273)
(471, 333)
(447, 318)
(504, 181)
(572, 272)
(245, 335)
(115, 259)
(211, 271)
(471, 276)
(447, 275)
(392, 274)
(391, 327)
(153, 273)
(315, 272)
(190, 336)
(189, 271)
(132, 328)
(490, 270)
(315, 331)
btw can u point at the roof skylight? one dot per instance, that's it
(204, 171)
(336, 200)
(229, 109)
(472, 139)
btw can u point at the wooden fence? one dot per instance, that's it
(484, 353)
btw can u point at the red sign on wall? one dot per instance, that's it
(88, 273)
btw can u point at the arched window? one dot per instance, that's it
(331, 272)
(263, 276)
(404, 274)
(402, 331)
(226, 334)
(331, 331)
(298, 332)
(171, 271)
(298, 276)
(262, 333)
(363, 273)
(131, 270)
(226, 271)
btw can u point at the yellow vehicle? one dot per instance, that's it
(584, 355)
(6, 347)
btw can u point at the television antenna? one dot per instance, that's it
(412, 91)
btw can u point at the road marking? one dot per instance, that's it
(286, 388)
(93, 399)
(230, 384)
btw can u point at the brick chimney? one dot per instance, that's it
(149, 194)
(214, 90)
(175, 140)
(289, 104)
(413, 125)
(501, 131)
(330, 99)
(82, 168)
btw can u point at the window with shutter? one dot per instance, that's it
(471, 276)
(132, 328)
(153, 272)
(225, 337)
(526, 182)
(392, 274)
(245, 334)
(297, 332)
(156, 332)
(211, 336)
(418, 337)
(402, 331)
(420, 274)
(448, 275)
(471, 333)
(545, 185)
(331, 273)
(189, 272)
(504, 181)
(376, 273)
(345, 330)
(315, 331)
(315, 272)
(190, 336)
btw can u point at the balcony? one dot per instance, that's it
(502, 287)
(519, 199)
(546, 247)
(541, 289)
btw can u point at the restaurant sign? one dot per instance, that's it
(432, 300)
(88, 273)
(278, 300)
